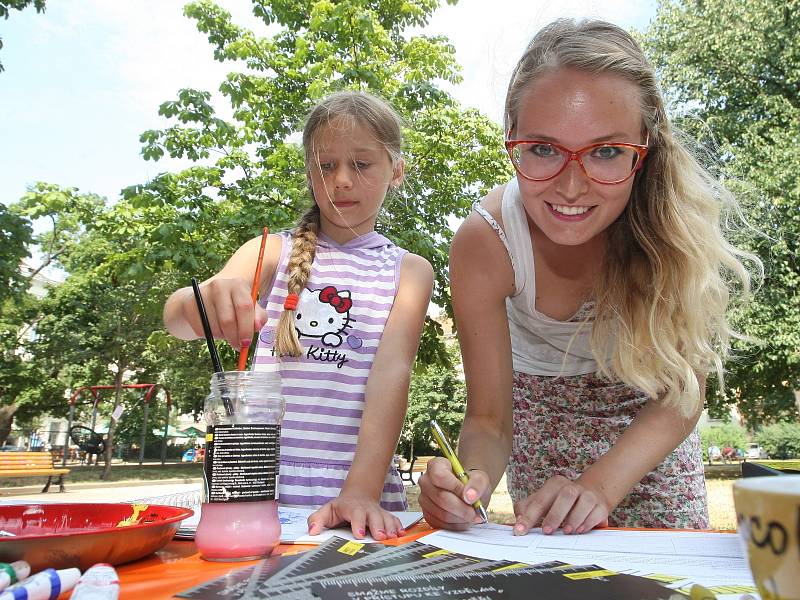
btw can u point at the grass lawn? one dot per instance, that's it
(719, 480)
(721, 512)
(119, 472)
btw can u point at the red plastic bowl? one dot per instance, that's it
(81, 535)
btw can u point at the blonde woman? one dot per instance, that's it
(590, 296)
(341, 320)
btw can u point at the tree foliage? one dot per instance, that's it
(732, 70)
(27, 387)
(727, 434)
(91, 328)
(780, 440)
(436, 392)
(123, 258)
(15, 237)
(453, 155)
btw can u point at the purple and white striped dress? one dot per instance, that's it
(340, 318)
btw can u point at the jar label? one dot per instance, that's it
(241, 462)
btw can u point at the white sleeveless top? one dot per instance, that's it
(540, 345)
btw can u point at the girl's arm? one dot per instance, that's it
(226, 297)
(580, 505)
(481, 278)
(386, 400)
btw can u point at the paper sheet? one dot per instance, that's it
(715, 560)
(294, 526)
(294, 520)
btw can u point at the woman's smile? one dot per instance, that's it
(568, 212)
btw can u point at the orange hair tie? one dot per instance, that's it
(291, 302)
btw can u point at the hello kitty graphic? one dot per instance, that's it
(324, 314)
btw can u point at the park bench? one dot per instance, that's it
(25, 464)
(418, 464)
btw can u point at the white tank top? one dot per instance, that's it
(540, 345)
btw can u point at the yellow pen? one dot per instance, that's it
(698, 592)
(449, 454)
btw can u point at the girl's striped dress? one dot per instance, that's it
(340, 319)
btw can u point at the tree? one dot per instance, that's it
(780, 440)
(15, 311)
(122, 259)
(95, 324)
(257, 178)
(96, 327)
(17, 5)
(436, 392)
(19, 311)
(15, 236)
(733, 71)
(727, 434)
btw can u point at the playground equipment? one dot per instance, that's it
(88, 440)
(149, 389)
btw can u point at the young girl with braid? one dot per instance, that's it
(341, 319)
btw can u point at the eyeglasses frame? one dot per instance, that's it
(641, 150)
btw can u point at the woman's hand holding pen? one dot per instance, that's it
(445, 501)
(574, 506)
(231, 313)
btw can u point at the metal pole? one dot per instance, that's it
(144, 431)
(164, 439)
(66, 441)
(94, 413)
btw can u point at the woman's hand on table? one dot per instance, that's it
(574, 506)
(445, 501)
(361, 512)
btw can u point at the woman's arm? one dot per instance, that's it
(585, 503)
(226, 297)
(481, 278)
(386, 400)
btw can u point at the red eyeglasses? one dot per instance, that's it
(604, 162)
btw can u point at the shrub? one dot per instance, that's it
(781, 440)
(438, 393)
(728, 434)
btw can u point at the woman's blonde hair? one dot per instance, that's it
(342, 111)
(662, 295)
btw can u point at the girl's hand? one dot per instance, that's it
(572, 505)
(445, 501)
(361, 513)
(231, 312)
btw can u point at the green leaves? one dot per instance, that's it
(123, 258)
(316, 47)
(733, 71)
(436, 392)
(727, 434)
(15, 235)
(781, 440)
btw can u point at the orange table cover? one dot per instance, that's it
(178, 567)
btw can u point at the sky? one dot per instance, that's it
(83, 80)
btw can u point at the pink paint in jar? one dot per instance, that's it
(239, 515)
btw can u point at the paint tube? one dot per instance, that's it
(45, 585)
(13, 572)
(100, 582)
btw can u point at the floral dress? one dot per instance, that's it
(562, 425)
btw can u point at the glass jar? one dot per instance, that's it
(239, 515)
